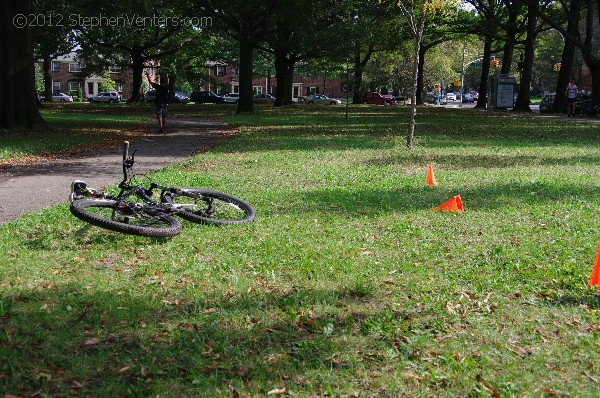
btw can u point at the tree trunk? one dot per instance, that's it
(18, 97)
(420, 76)
(137, 70)
(485, 73)
(527, 73)
(284, 73)
(289, 83)
(413, 108)
(359, 67)
(47, 66)
(358, 77)
(567, 59)
(512, 29)
(246, 99)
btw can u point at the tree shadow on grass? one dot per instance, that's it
(410, 198)
(64, 339)
(469, 161)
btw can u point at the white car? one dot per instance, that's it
(231, 98)
(106, 96)
(451, 97)
(321, 99)
(468, 97)
(58, 97)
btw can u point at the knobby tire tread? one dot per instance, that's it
(78, 209)
(248, 217)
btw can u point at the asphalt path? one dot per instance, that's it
(33, 187)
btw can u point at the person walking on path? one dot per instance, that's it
(571, 98)
(162, 99)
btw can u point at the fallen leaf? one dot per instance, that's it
(124, 369)
(488, 386)
(92, 341)
(277, 391)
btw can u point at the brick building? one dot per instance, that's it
(66, 77)
(223, 78)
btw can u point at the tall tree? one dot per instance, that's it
(416, 14)
(489, 12)
(17, 86)
(526, 73)
(132, 34)
(249, 23)
(512, 25)
(52, 39)
(573, 15)
(296, 39)
(583, 38)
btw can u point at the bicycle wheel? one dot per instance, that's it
(203, 206)
(106, 213)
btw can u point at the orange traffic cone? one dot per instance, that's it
(595, 278)
(452, 205)
(431, 177)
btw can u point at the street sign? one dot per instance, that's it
(476, 64)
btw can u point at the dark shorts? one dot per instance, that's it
(161, 110)
(571, 100)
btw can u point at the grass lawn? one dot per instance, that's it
(71, 127)
(347, 284)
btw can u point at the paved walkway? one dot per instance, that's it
(28, 188)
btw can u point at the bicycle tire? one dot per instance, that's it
(105, 213)
(210, 207)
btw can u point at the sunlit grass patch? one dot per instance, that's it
(345, 284)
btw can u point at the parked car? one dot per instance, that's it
(583, 105)
(450, 96)
(431, 99)
(475, 95)
(321, 99)
(264, 99)
(181, 98)
(150, 96)
(468, 97)
(378, 99)
(206, 97)
(231, 98)
(106, 96)
(57, 97)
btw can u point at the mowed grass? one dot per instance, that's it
(346, 284)
(72, 125)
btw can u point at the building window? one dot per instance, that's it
(74, 67)
(235, 88)
(90, 86)
(257, 90)
(236, 71)
(114, 69)
(120, 87)
(220, 70)
(55, 66)
(312, 90)
(74, 86)
(56, 87)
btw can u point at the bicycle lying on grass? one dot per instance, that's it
(134, 211)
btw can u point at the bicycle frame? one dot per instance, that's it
(148, 216)
(80, 189)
